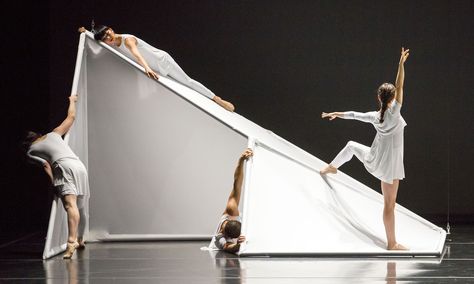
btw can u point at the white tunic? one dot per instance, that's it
(385, 158)
(69, 173)
(157, 59)
(161, 62)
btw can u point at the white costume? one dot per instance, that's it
(161, 62)
(69, 173)
(384, 159)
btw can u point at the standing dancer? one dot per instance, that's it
(227, 236)
(153, 60)
(68, 174)
(384, 159)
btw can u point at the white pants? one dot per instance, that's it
(352, 148)
(175, 72)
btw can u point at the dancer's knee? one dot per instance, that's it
(69, 203)
(351, 144)
(389, 205)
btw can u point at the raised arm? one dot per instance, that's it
(64, 127)
(401, 76)
(131, 44)
(232, 207)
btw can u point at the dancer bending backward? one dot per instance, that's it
(68, 174)
(384, 159)
(153, 60)
(227, 236)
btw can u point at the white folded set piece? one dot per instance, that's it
(161, 159)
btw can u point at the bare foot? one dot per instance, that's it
(328, 170)
(225, 104)
(397, 246)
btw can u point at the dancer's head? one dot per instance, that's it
(385, 94)
(28, 139)
(232, 229)
(104, 33)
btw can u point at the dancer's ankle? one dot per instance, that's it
(330, 169)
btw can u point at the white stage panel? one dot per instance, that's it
(291, 209)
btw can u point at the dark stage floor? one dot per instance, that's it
(184, 262)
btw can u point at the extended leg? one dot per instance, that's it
(352, 148)
(82, 221)
(390, 197)
(70, 205)
(179, 75)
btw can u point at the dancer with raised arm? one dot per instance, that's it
(153, 60)
(384, 159)
(227, 236)
(68, 175)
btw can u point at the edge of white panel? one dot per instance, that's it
(48, 252)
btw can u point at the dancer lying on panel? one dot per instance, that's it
(384, 159)
(153, 60)
(68, 175)
(227, 236)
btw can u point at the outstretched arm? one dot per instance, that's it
(232, 207)
(362, 116)
(64, 127)
(131, 44)
(401, 76)
(332, 115)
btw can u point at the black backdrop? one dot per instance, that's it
(281, 63)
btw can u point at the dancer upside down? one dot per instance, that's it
(68, 175)
(153, 60)
(227, 236)
(384, 159)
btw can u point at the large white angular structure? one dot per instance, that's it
(161, 159)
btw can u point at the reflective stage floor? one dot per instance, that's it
(184, 262)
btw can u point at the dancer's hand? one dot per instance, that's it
(241, 239)
(150, 73)
(247, 154)
(331, 115)
(404, 55)
(81, 30)
(73, 98)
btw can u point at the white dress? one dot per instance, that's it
(384, 159)
(160, 61)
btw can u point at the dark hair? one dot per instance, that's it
(99, 31)
(28, 139)
(232, 229)
(385, 93)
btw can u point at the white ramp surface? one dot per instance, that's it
(290, 209)
(161, 159)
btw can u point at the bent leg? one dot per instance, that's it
(352, 148)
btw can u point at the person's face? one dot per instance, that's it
(109, 37)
